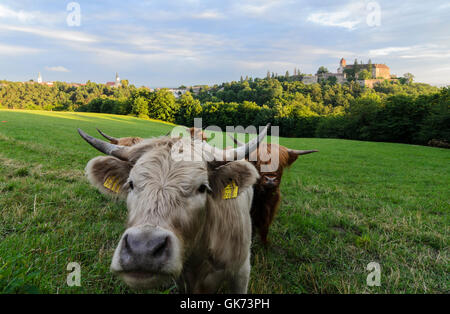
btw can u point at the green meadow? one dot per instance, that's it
(350, 204)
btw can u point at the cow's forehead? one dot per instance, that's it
(161, 185)
(158, 165)
(179, 148)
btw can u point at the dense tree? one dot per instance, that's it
(407, 78)
(140, 107)
(355, 68)
(364, 75)
(435, 125)
(162, 106)
(370, 69)
(322, 70)
(189, 108)
(392, 111)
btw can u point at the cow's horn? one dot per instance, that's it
(302, 152)
(110, 138)
(244, 151)
(238, 143)
(106, 148)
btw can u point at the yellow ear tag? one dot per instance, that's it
(112, 184)
(230, 191)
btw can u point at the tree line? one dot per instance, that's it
(393, 111)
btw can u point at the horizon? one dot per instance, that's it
(169, 44)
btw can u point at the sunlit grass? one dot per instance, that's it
(352, 203)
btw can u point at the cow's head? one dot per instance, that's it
(167, 199)
(271, 160)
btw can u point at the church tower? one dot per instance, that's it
(117, 84)
(39, 80)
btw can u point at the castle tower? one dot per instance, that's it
(342, 65)
(39, 80)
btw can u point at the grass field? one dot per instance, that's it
(351, 204)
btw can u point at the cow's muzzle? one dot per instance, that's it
(146, 256)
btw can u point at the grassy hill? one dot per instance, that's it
(351, 204)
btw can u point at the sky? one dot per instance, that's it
(171, 43)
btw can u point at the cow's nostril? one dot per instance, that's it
(145, 251)
(138, 245)
(125, 241)
(160, 245)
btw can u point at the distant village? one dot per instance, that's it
(376, 73)
(177, 92)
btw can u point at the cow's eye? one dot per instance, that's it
(131, 185)
(203, 188)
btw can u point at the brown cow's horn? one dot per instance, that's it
(106, 148)
(110, 138)
(243, 152)
(302, 152)
(293, 151)
(238, 143)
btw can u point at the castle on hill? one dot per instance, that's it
(381, 71)
(378, 72)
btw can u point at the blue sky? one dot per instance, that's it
(169, 43)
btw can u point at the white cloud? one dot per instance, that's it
(21, 15)
(427, 51)
(444, 6)
(335, 53)
(333, 19)
(27, 17)
(172, 43)
(278, 59)
(388, 51)
(256, 8)
(17, 50)
(58, 68)
(208, 15)
(445, 68)
(51, 33)
(432, 55)
(348, 16)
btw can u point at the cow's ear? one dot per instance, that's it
(128, 141)
(109, 175)
(292, 158)
(232, 177)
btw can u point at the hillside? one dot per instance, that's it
(353, 203)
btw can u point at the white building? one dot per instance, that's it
(177, 92)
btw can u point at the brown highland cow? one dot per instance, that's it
(267, 194)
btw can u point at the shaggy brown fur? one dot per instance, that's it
(267, 195)
(198, 133)
(126, 141)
